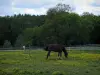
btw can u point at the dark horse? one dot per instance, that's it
(56, 48)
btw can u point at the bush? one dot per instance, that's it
(38, 72)
(16, 70)
(58, 73)
(26, 73)
(7, 44)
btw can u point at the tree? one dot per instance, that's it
(87, 23)
(95, 35)
(61, 25)
(19, 41)
(60, 8)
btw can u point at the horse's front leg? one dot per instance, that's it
(48, 54)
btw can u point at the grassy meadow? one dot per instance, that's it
(34, 62)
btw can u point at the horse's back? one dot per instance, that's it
(55, 47)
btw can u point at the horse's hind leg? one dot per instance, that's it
(48, 54)
(59, 55)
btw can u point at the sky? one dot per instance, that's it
(40, 7)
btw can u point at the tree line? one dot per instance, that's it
(59, 25)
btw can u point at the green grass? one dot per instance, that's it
(35, 63)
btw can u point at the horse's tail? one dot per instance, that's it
(65, 52)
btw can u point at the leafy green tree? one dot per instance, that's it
(19, 41)
(95, 35)
(87, 23)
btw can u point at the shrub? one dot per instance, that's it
(7, 44)
(16, 70)
(58, 73)
(39, 72)
(26, 73)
